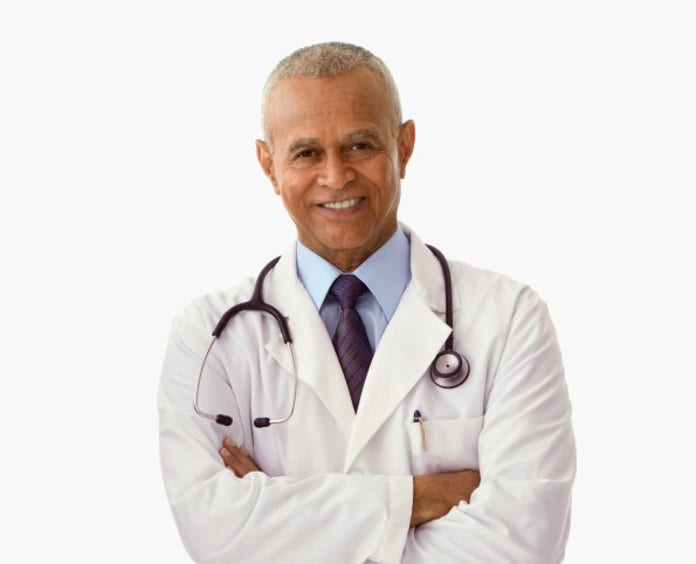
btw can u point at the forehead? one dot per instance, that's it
(323, 107)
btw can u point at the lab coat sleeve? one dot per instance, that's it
(520, 513)
(221, 518)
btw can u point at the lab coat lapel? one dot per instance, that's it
(408, 346)
(315, 359)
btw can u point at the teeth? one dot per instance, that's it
(342, 204)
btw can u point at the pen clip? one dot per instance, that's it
(418, 418)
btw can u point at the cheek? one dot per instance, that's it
(287, 177)
(286, 183)
(384, 177)
(293, 189)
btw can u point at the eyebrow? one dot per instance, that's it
(303, 143)
(311, 142)
(363, 134)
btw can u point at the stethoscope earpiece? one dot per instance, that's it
(223, 419)
(261, 422)
(449, 369)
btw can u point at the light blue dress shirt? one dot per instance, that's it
(386, 273)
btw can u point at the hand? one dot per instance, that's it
(237, 459)
(435, 494)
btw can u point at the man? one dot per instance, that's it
(376, 463)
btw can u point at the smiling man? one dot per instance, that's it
(335, 153)
(425, 412)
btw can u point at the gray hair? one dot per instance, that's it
(325, 60)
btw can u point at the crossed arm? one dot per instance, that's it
(434, 495)
(518, 513)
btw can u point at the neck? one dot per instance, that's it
(347, 260)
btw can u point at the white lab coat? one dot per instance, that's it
(336, 486)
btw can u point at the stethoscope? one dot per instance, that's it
(448, 370)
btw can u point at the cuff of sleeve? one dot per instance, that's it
(400, 504)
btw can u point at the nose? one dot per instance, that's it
(336, 172)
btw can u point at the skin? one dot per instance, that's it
(433, 494)
(334, 139)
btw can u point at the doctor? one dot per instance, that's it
(377, 463)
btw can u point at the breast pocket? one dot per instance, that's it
(444, 445)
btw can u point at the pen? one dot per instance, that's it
(418, 418)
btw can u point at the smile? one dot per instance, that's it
(343, 204)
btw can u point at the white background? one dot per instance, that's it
(555, 142)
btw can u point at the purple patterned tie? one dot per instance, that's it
(350, 340)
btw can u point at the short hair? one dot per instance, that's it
(324, 60)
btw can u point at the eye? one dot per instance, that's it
(306, 154)
(360, 146)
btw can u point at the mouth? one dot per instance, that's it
(342, 204)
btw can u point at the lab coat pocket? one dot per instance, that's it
(444, 445)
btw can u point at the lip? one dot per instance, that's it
(342, 211)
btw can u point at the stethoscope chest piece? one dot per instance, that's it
(449, 369)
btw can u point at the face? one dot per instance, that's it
(336, 158)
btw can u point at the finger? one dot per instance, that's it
(248, 464)
(237, 459)
(229, 459)
(245, 460)
(231, 454)
(239, 451)
(240, 467)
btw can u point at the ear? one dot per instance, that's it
(265, 158)
(405, 142)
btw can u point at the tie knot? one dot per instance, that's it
(347, 288)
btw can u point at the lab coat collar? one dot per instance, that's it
(408, 346)
(315, 359)
(427, 275)
(410, 342)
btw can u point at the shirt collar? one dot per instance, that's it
(386, 272)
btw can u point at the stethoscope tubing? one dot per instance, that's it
(447, 277)
(256, 303)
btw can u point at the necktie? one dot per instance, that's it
(350, 340)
